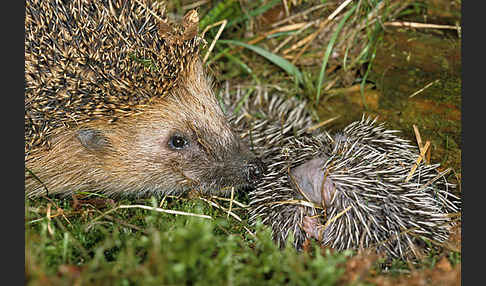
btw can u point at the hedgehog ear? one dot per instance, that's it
(165, 30)
(93, 140)
(190, 24)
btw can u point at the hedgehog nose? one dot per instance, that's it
(255, 170)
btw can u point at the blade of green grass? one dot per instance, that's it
(244, 66)
(222, 10)
(372, 39)
(37, 178)
(242, 101)
(254, 13)
(277, 60)
(328, 52)
(363, 81)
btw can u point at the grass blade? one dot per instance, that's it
(222, 10)
(277, 60)
(244, 66)
(253, 13)
(328, 52)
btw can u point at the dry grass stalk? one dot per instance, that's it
(419, 159)
(150, 10)
(338, 215)
(48, 215)
(286, 28)
(321, 27)
(223, 25)
(320, 124)
(418, 137)
(303, 13)
(419, 143)
(421, 25)
(298, 26)
(194, 5)
(218, 206)
(231, 201)
(151, 209)
(291, 37)
(440, 175)
(162, 210)
(423, 88)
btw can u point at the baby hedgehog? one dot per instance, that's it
(349, 190)
(117, 101)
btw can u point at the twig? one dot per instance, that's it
(126, 224)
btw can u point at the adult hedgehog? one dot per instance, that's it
(117, 101)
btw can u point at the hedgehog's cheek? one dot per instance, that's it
(93, 140)
(311, 182)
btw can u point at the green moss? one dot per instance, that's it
(170, 250)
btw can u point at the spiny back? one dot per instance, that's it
(98, 59)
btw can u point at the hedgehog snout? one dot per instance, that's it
(254, 170)
(239, 170)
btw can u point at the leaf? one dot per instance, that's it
(276, 59)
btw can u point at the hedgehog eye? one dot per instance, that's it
(178, 142)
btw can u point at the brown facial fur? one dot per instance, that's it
(98, 119)
(136, 157)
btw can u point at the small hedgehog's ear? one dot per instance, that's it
(190, 24)
(93, 140)
(165, 30)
